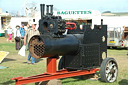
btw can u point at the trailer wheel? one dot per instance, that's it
(114, 47)
(41, 83)
(109, 70)
(38, 83)
(61, 63)
(108, 47)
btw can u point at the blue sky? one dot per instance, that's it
(101, 5)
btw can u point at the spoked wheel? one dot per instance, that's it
(61, 63)
(41, 83)
(109, 70)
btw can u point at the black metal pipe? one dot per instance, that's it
(47, 9)
(51, 9)
(101, 21)
(42, 6)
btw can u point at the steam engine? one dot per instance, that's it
(82, 51)
(80, 48)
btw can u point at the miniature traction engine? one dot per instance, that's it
(81, 50)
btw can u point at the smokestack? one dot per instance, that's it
(47, 9)
(42, 6)
(51, 9)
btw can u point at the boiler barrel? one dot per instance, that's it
(47, 46)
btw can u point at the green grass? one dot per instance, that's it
(17, 66)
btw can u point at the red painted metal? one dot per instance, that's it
(51, 65)
(58, 75)
(52, 74)
(70, 23)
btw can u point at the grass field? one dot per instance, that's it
(17, 66)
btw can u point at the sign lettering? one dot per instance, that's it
(73, 12)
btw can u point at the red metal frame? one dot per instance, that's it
(51, 65)
(52, 74)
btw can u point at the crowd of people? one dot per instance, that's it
(22, 36)
(19, 33)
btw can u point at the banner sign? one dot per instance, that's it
(73, 12)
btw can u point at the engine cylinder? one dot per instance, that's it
(47, 46)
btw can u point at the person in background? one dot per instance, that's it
(26, 29)
(31, 32)
(9, 33)
(22, 32)
(17, 37)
